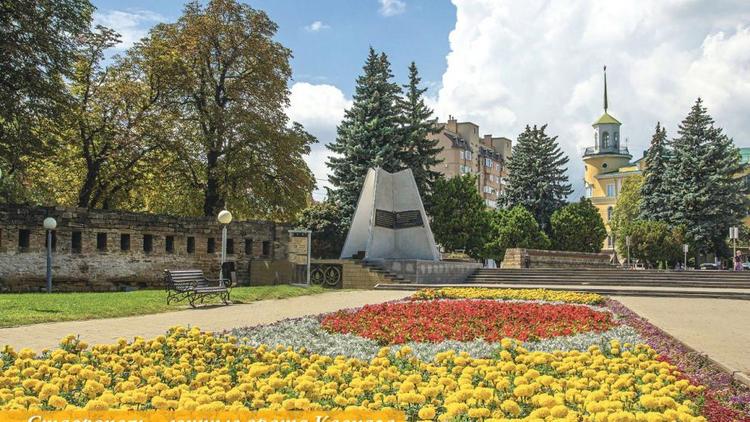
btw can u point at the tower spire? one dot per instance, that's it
(605, 88)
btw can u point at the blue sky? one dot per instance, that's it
(333, 51)
(505, 64)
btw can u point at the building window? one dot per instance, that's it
(101, 242)
(490, 203)
(124, 242)
(605, 140)
(248, 246)
(589, 191)
(230, 246)
(488, 162)
(266, 248)
(465, 169)
(54, 240)
(609, 213)
(467, 155)
(191, 244)
(617, 139)
(76, 242)
(211, 245)
(148, 243)
(498, 167)
(24, 239)
(169, 244)
(611, 191)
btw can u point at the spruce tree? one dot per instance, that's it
(705, 194)
(368, 136)
(420, 153)
(537, 177)
(655, 190)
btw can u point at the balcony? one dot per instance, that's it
(592, 151)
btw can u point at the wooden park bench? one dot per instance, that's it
(195, 287)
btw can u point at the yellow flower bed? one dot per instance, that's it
(508, 294)
(190, 369)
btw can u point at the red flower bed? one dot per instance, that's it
(465, 320)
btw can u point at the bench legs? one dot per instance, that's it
(195, 298)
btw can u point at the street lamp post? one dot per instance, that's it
(685, 251)
(225, 217)
(49, 225)
(627, 242)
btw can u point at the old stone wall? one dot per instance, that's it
(98, 250)
(536, 258)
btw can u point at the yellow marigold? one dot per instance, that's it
(427, 413)
(57, 402)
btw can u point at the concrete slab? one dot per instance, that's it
(718, 328)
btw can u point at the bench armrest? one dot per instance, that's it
(216, 281)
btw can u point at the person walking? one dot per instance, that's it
(738, 261)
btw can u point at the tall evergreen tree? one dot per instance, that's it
(654, 191)
(537, 177)
(368, 136)
(420, 152)
(705, 194)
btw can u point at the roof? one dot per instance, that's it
(607, 119)
(457, 141)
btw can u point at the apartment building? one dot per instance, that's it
(466, 152)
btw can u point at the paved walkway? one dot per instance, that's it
(717, 327)
(42, 336)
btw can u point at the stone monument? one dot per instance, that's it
(390, 222)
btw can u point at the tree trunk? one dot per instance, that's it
(212, 201)
(84, 195)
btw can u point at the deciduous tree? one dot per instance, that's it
(459, 218)
(578, 227)
(513, 228)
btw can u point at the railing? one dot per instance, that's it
(593, 151)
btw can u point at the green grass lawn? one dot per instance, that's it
(31, 308)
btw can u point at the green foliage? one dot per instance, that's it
(653, 242)
(368, 136)
(537, 178)
(37, 43)
(328, 236)
(655, 190)
(513, 228)
(705, 194)
(627, 208)
(459, 217)
(228, 82)
(578, 227)
(420, 152)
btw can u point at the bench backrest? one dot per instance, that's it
(183, 279)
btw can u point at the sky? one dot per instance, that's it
(505, 64)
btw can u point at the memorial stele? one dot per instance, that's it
(390, 221)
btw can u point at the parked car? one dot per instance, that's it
(709, 266)
(746, 266)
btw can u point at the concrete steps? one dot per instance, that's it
(374, 268)
(703, 284)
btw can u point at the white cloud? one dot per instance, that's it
(319, 108)
(392, 7)
(533, 62)
(132, 25)
(316, 26)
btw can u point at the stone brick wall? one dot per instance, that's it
(517, 257)
(109, 250)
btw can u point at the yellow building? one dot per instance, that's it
(606, 165)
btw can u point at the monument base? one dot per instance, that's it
(427, 272)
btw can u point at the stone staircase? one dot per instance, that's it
(699, 284)
(377, 269)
